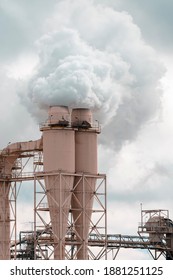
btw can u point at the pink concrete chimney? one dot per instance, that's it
(85, 162)
(58, 155)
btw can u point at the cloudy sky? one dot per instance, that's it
(114, 57)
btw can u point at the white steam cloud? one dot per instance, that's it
(93, 56)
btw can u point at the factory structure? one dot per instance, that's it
(69, 197)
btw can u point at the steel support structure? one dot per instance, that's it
(39, 244)
(13, 217)
(44, 235)
(159, 228)
(10, 187)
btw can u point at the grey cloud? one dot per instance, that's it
(153, 17)
(12, 35)
(20, 24)
(16, 123)
(131, 116)
(155, 186)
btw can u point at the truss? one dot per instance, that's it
(39, 242)
(44, 235)
(159, 228)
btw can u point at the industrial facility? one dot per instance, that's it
(70, 197)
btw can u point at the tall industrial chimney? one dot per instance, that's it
(85, 163)
(58, 156)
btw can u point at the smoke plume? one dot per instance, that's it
(93, 56)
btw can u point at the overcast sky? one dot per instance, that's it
(114, 56)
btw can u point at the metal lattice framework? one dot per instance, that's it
(44, 235)
(159, 228)
(29, 168)
(39, 242)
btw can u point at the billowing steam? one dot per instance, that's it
(95, 57)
